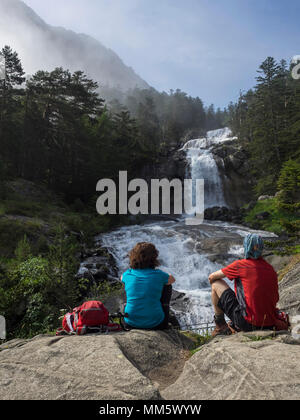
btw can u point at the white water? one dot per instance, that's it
(203, 165)
(186, 251)
(179, 256)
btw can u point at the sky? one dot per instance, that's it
(207, 48)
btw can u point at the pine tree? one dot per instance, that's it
(10, 104)
(289, 186)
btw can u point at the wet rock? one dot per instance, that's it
(213, 245)
(224, 214)
(233, 164)
(222, 259)
(98, 265)
(179, 301)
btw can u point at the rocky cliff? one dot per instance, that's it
(233, 164)
(289, 288)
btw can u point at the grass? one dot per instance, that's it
(198, 340)
(21, 208)
(259, 337)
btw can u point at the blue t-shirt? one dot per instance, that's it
(143, 291)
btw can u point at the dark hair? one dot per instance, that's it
(143, 255)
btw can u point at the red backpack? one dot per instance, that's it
(90, 316)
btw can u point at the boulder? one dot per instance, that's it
(278, 262)
(98, 264)
(92, 367)
(263, 215)
(224, 214)
(265, 197)
(289, 290)
(246, 366)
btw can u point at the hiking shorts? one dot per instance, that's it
(230, 306)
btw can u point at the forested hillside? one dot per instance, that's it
(266, 120)
(56, 129)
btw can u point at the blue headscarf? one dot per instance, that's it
(249, 243)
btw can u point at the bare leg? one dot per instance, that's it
(217, 288)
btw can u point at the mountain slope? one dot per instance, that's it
(44, 47)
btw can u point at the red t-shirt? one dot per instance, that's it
(258, 287)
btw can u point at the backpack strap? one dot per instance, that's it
(121, 318)
(62, 331)
(240, 295)
(70, 319)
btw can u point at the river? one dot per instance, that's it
(189, 253)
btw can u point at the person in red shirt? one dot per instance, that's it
(253, 303)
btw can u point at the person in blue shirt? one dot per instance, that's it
(148, 290)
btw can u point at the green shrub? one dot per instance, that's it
(13, 231)
(23, 249)
(265, 185)
(33, 289)
(277, 220)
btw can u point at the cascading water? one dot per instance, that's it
(202, 165)
(185, 252)
(189, 253)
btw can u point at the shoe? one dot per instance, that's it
(232, 329)
(221, 330)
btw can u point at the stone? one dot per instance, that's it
(98, 265)
(278, 262)
(263, 215)
(224, 214)
(289, 291)
(257, 367)
(92, 367)
(264, 197)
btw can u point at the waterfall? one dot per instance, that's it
(202, 165)
(189, 253)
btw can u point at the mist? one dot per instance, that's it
(207, 49)
(44, 47)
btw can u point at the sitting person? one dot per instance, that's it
(148, 290)
(253, 304)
